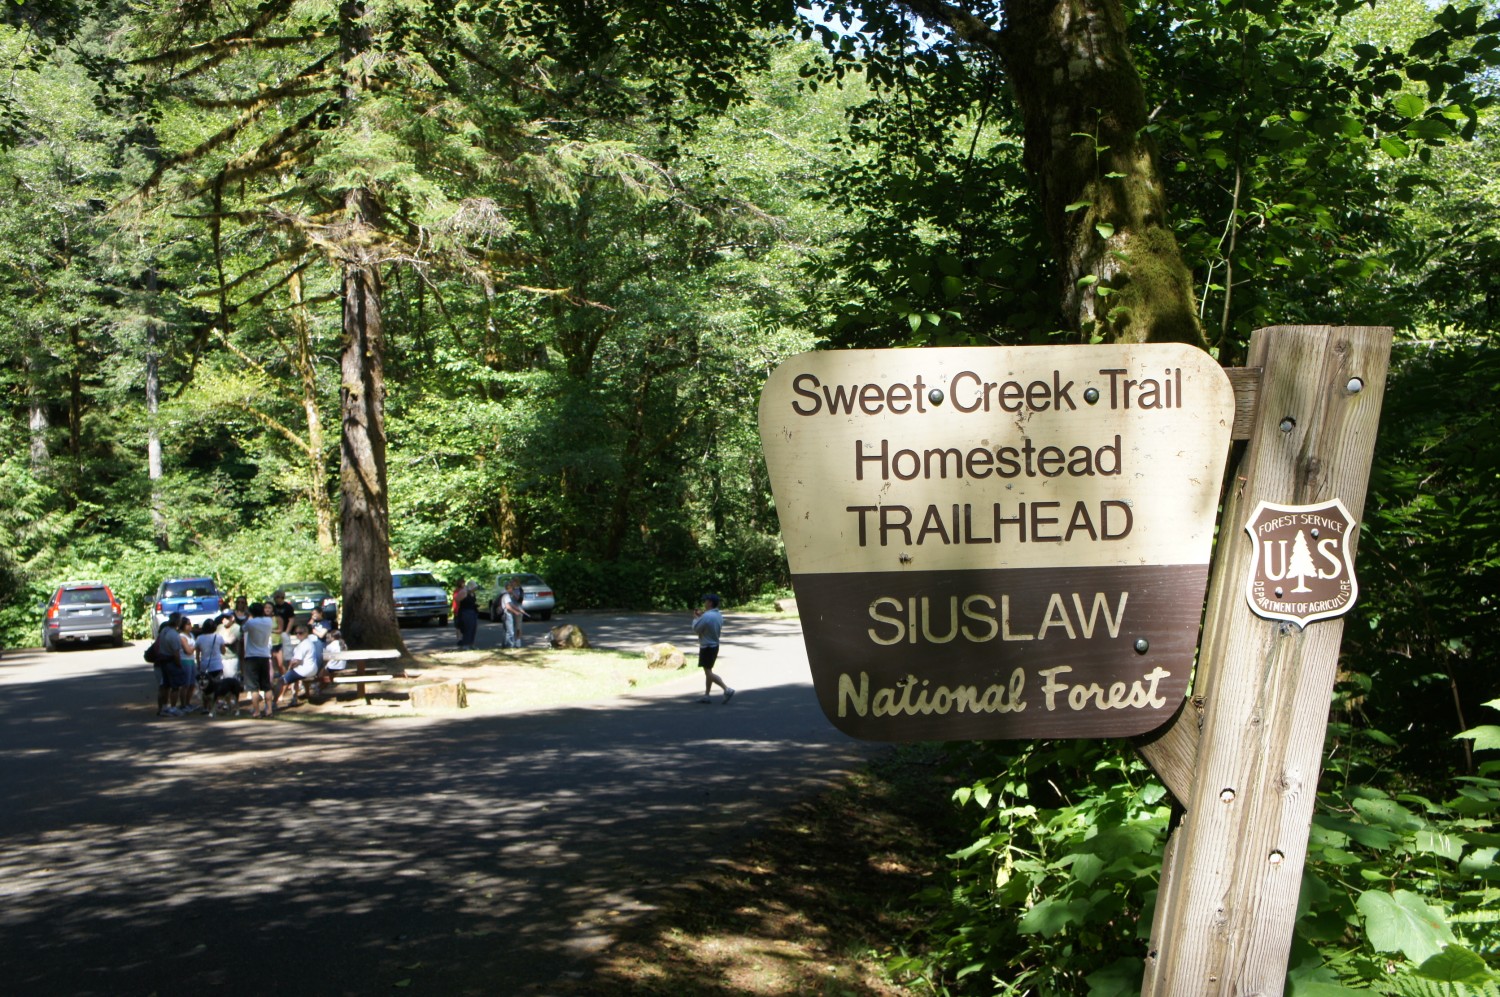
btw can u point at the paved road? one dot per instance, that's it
(485, 855)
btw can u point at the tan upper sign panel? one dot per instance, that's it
(996, 457)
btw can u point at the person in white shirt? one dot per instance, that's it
(229, 633)
(257, 664)
(333, 651)
(208, 647)
(305, 662)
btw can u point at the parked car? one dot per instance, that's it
(82, 611)
(306, 596)
(420, 596)
(198, 598)
(536, 596)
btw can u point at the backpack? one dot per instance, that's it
(150, 654)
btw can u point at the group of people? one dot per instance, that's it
(465, 609)
(262, 650)
(259, 649)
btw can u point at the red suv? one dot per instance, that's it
(80, 611)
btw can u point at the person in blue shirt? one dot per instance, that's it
(708, 623)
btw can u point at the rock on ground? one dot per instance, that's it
(440, 696)
(664, 655)
(568, 636)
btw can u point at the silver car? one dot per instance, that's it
(82, 611)
(420, 596)
(537, 598)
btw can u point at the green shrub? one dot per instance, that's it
(1400, 894)
(1401, 889)
(251, 562)
(1054, 896)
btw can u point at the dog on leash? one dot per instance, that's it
(221, 693)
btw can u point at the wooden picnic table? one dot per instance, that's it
(361, 677)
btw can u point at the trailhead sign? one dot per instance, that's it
(999, 542)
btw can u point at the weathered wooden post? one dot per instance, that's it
(1244, 756)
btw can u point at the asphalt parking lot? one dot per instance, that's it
(437, 855)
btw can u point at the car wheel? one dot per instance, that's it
(546, 614)
(48, 644)
(442, 621)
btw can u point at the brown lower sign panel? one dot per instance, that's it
(988, 654)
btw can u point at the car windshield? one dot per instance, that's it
(307, 588)
(419, 579)
(190, 589)
(77, 597)
(528, 581)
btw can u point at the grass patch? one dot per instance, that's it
(536, 678)
(499, 681)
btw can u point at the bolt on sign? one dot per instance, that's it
(1301, 569)
(998, 542)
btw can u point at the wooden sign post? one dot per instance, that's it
(1243, 758)
(1013, 542)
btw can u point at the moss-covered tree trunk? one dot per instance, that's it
(1093, 163)
(1096, 169)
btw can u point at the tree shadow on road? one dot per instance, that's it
(812, 905)
(470, 855)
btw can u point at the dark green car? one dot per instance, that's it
(305, 596)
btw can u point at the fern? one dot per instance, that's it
(1411, 985)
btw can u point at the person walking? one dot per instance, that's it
(708, 623)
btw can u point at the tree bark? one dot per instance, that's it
(75, 398)
(1093, 162)
(368, 611)
(39, 421)
(317, 470)
(153, 433)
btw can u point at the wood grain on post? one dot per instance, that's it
(1245, 753)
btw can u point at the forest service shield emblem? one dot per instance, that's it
(1301, 569)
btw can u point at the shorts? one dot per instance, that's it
(304, 671)
(257, 674)
(707, 656)
(176, 675)
(161, 676)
